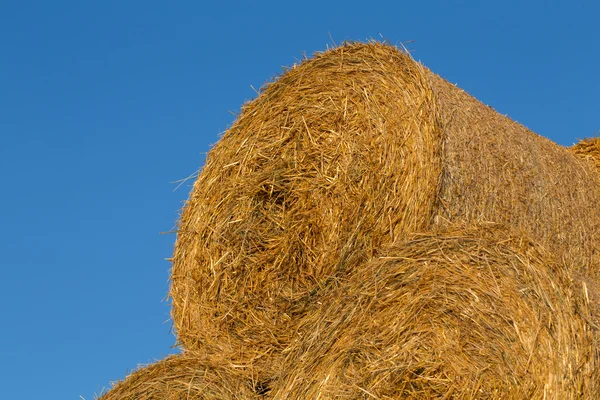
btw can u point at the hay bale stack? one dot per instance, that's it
(186, 376)
(346, 153)
(306, 267)
(476, 313)
(588, 149)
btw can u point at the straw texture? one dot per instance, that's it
(349, 151)
(338, 156)
(476, 312)
(366, 229)
(496, 170)
(185, 377)
(468, 313)
(588, 149)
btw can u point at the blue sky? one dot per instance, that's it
(104, 104)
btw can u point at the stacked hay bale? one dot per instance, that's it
(278, 267)
(338, 157)
(472, 313)
(184, 376)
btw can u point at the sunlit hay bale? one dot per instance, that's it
(338, 156)
(588, 149)
(467, 314)
(186, 376)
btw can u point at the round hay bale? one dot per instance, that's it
(186, 376)
(474, 313)
(350, 151)
(340, 154)
(588, 149)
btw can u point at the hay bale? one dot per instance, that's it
(186, 376)
(588, 149)
(350, 151)
(476, 313)
(339, 154)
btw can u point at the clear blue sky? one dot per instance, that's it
(103, 104)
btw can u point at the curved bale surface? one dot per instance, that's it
(496, 170)
(474, 313)
(338, 156)
(588, 149)
(185, 376)
(348, 152)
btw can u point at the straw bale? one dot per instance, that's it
(186, 376)
(588, 149)
(348, 152)
(467, 313)
(339, 154)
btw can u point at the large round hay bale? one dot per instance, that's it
(468, 314)
(347, 152)
(186, 376)
(340, 154)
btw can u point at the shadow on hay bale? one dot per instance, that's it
(186, 376)
(474, 313)
(348, 152)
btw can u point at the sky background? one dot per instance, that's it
(105, 104)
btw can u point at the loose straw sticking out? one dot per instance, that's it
(185, 376)
(475, 313)
(588, 149)
(337, 157)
